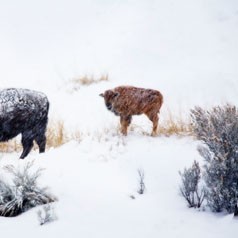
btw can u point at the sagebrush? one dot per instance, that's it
(217, 128)
(190, 186)
(46, 214)
(141, 181)
(22, 192)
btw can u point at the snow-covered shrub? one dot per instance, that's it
(46, 215)
(189, 188)
(141, 186)
(23, 192)
(218, 129)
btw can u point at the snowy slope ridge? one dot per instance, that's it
(186, 49)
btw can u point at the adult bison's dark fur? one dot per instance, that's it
(24, 112)
(126, 101)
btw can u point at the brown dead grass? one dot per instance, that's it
(74, 84)
(10, 146)
(169, 125)
(58, 135)
(175, 125)
(88, 80)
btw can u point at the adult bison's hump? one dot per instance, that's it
(14, 100)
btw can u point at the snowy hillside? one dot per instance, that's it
(94, 182)
(186, 49)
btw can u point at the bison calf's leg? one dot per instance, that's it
(125, 122)
(154, 118)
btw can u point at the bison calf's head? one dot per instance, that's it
(25, 112)
(109, 99)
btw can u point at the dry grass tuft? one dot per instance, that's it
(57, 134)
(175, 125)
(74, 84)
(10, 146)
(169, 125)
(85, 80)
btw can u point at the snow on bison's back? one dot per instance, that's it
(25, 112)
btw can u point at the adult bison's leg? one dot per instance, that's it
(155, 119)
(41, 142)
(27, 143)
(40, 138)
(125, 122)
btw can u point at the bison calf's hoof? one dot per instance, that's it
(154, 134)
(126, 101)
(124, 132)
(25, 112)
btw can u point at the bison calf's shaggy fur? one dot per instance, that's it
(24, 112)
(126, 101)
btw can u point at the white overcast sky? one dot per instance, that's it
(55, 39)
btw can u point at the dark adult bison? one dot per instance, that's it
(25, 112)
(126, 101)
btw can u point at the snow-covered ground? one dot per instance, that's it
(94, 182)
(186, 49)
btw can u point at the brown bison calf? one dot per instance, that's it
(126, 101)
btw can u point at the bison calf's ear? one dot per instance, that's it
(101, 94)
(116, 94)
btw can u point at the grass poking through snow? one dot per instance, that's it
(57, 134)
